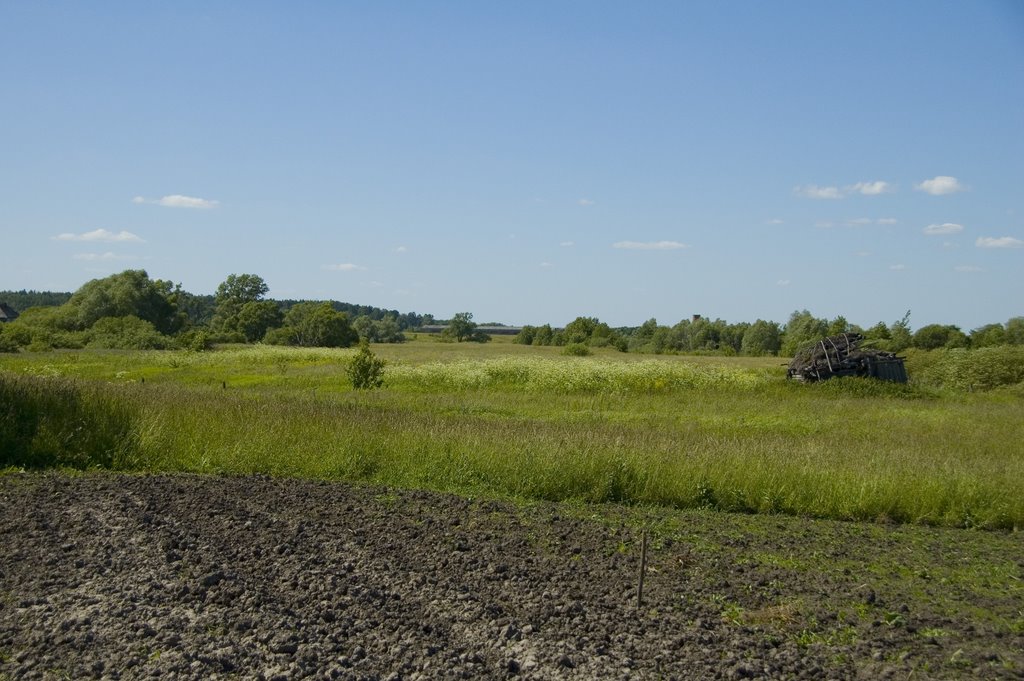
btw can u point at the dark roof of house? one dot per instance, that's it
(7, 313)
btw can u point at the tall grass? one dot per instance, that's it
(668, 432)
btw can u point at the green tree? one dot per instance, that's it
(1015, 331)
(314, 325)
(544, 335)
(232, 295)
(934, 336)
(801, 329)
(525, 335)
(386, 330)
(900, 337)
(130, 293)
(878, 332)
(762, 338)
(366, 370)
(463, 328)
(988, 336)
(256, 318)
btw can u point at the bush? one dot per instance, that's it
(7, 342)
(125, 333)
(366, 370)
(576, 350)
(959, 369)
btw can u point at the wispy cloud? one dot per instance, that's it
(178, 201)
(870, 188)
(567, 244)
(775, 221)
(649, 245)
(401, 249)
(898, 268)
(813, 191)
(968, 268)
(99, 235)
(944, 228)
(546, 264)
(856, 222)
(344, 267)
(103, 256)
(586, 202)
(939, 185)
(998, 242)
(782, 282)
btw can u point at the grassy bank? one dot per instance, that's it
(511, 421)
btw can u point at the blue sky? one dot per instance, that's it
(528, 162)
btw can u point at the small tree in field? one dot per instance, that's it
(366, 370)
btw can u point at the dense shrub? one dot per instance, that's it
(960, 369)
(576, 350)
(125, 333)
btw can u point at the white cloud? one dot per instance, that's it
(944, 228)
(99, 235)
(401, 249)
(586, 202)
(775, 221)
(178, 201)
(567, 244)
(870, 188)
(344, 267)
(998, 242)
(546, 264)
(898, 268)
(859, 222)
(824, 224)
(102, 256)
(939, 185)
(649, 245)
(782, 282)
(968, 268)
(813, 191)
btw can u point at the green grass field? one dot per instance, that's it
(513, 421)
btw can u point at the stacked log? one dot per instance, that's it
(841, 355)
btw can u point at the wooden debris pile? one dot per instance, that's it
(842, 356)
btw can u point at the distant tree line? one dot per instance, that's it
(698, 335)
(131, 311)
(22, 300)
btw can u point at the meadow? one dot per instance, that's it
(504, 420)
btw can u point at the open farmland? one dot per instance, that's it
(509, 421)
(481, 516)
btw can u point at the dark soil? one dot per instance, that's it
(108, 576)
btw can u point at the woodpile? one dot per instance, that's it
(842, 355)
